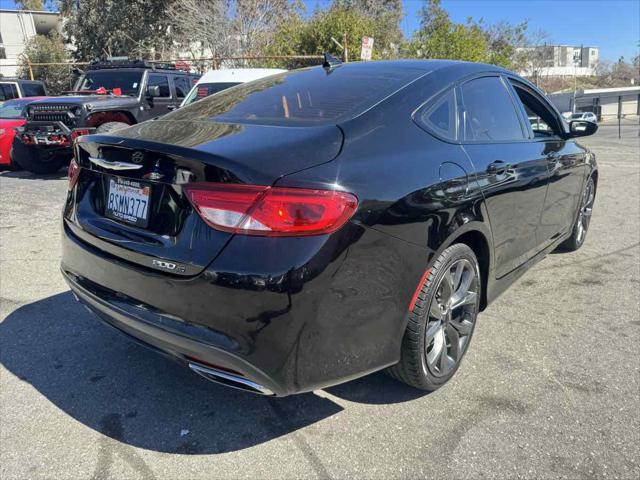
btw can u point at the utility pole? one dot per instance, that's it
(343, 47)
(346, 49)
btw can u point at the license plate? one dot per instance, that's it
(128, 201)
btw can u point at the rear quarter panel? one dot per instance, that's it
(416, 195)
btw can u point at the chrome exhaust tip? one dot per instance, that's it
(229, 379)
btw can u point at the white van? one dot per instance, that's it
(215, 81)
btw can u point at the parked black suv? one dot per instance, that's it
(11, 88)
(108, 96)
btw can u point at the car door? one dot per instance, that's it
(181, 86)
(159, 105)
(566, 164)
(511, 171)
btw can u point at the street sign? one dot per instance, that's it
(367, 48)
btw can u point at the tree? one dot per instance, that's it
(534, 55)
(47, 49)
(439, 37)
(201, 27)
(386, 15)
(227, 27)
(343, 18)
(29, 4)
(623, 73)
(504, 41)
(254, 22)
(99, 28)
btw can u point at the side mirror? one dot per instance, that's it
(582, 128)
(153, 91)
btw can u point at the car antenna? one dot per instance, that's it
(330, 62)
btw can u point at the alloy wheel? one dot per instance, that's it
(452, 314)
(586, 210)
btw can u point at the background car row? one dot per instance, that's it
(38, 132)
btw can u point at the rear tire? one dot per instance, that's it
(581, 227)
(441, 324)
(109, 127)
(13, 165)
(35, 160)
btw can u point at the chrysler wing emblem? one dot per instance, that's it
(114, 165)
(137, 156)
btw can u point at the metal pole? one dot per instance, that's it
(30, 69)
(638, 112)
(619, 115)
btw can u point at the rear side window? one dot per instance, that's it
(8, 91)
(182, 86)
(489, 113)
(161, 81)
(33, 90)
(440, 117)
(310, 96)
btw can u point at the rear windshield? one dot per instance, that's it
(310, 96)
(203, 90)
(128, 82)
(33, 90)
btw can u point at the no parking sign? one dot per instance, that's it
(367, 48)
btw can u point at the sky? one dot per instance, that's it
(611, 25)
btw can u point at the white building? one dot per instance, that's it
(16, 28)
(562, 61)
(606, 103)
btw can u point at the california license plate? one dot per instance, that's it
(128, 201)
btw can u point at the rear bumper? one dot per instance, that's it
(182, 342)
(333, 314)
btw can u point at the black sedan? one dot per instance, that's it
(315, 226)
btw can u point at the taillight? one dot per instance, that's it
(73, 173)
(271, 211)
(78, 132)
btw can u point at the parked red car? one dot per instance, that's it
(12, 114)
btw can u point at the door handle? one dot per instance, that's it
(498, 167)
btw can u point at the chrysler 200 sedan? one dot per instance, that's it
(312, 227)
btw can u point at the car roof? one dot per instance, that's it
(20, 80)
(427, 65)
(141, 69)
(238, 75)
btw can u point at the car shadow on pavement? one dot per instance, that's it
(138, 397)
(59, 175)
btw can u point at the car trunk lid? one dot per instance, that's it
(159, 158)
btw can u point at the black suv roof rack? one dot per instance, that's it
(18, 79)
(126, 63)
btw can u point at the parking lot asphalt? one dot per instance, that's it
(550, 387)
